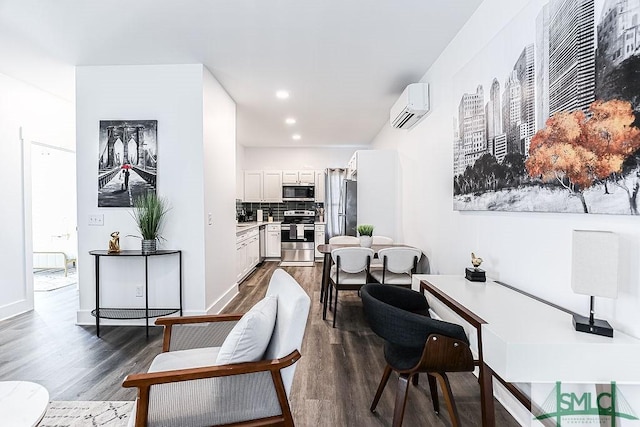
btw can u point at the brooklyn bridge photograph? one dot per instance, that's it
(127, 162)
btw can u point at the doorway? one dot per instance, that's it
(53, 217)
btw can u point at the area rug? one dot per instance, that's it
(85, 414)
(48, 280)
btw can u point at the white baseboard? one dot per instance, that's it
(225, 299)
(15, 308)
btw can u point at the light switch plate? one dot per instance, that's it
(210, 218)
(96, 220)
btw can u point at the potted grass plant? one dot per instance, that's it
(365, 231)
(149, 211)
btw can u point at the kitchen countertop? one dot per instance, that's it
(246, 226)
(241, 227)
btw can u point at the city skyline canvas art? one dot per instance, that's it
(546, 115)
(127, 161)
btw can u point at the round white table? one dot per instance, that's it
(22, 403)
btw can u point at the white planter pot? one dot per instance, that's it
(365, 241)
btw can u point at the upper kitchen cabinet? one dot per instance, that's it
(262, 186)
(272, 189)
(298, 177)
(320, 185)
(252, 186)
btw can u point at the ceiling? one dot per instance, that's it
(344, 62)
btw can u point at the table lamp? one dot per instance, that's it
(594, 272)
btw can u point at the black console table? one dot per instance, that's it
(133, 313)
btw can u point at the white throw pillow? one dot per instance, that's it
(248, 340)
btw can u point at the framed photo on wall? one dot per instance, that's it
(127, 161)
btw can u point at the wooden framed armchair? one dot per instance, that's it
(187, 386)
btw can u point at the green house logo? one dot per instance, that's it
(586, 407)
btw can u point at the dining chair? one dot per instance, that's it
(415, 343)
(379, 240)
(344, 240)
(349, 273)
(398, 264)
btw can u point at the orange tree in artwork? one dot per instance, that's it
(574, 151)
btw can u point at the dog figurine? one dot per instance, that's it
(114, 243)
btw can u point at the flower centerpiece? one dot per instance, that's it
(149, 212)
(365, 231)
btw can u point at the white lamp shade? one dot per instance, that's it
(594, 263)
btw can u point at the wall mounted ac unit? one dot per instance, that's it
(411, 107)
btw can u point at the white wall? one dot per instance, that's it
(45, 118)
(219, 121)
(275, 158)
(172, 95)
(531, 251)
(239, 171)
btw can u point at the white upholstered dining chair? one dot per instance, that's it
(349, 273)
(398, 264)
(344, 240)
(379, 240)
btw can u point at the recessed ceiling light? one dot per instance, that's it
(290, 121)
(282, 94)
(296, 136)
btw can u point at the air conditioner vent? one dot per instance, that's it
(411, 107)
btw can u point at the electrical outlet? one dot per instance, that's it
(139, 291)
(96, 220)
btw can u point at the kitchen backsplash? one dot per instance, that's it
(277, 209)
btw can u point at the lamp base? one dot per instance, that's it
(598, 327)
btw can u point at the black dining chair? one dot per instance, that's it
(415, 343)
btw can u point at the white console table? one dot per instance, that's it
(522, 339)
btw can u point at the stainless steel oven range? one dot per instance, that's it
(297, 236)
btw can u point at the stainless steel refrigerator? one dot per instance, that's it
(348, 213)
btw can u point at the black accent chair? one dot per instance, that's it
(415, 343)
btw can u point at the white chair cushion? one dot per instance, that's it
(185, 359)
(392, 278)
(249, 339)
(349, 278)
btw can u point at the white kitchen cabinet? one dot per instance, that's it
(307, 177)
(319, 238)
(289, 177)
(272, 186)
(273, 244)
(298, 177)
(262, 186)
(241, 260)
(247, 253)
(253, 186)
(320, 186)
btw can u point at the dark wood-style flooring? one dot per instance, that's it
(335, 379)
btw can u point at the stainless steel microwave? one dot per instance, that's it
(298, 192)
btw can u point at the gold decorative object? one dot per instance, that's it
(114, 243)
(475, 261)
